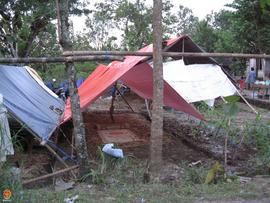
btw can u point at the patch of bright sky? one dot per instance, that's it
(200, 9)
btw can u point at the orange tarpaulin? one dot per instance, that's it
(137, 76)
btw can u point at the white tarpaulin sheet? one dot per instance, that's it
(197, 82)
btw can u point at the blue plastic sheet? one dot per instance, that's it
(29, 102)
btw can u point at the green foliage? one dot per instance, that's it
(7, 181)
(134, 21)
(205, 35)
(258, 135)
(127, 192)
(105, 166)
(58, 71)
(230, 108)
(265, 5)
(26, 27)
(186, 21)
(232, 99)
(193, 175)
(202, 106)
(213, 172)
(250, 25)
(258, 132)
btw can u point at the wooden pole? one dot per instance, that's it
(50, 175)
(158, 88)
(62, 59)
(172, 54)
(148, 108)
(80, 56)
(77, 118)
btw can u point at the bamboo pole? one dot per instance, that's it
(61, 59)
(80, 56)
(50, 175)
(172, 54)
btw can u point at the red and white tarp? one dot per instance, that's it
(138, 76)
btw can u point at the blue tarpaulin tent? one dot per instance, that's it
(29, 101)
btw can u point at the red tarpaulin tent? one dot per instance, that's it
(137, 76)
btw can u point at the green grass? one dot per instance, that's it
(122, 182)
(126, 192)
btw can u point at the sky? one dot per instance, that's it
(200, 9)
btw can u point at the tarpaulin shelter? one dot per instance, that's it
(30, 101)
(136, 73)
(198, 82)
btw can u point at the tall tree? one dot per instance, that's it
(100, 24)
(205, 35)
(78, 124)
(186, 21)
(251, 26)
(20, 23)
(25, 24)
(158, 88)
(135, 22)
(223, 26)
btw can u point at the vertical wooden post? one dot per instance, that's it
(78, 124)
(157, 113)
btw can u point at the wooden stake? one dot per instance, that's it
(148, 108)
(50, 175)
(112, 102)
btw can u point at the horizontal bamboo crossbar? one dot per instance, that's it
(61, 59)
(171, 54)
(50, 175)
(80, 56)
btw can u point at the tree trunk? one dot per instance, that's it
(79, 130)
(157, 116)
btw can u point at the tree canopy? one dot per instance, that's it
(27, 27)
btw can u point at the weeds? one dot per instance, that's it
(9, 181)
(258, 135)
(193, 175)
(107, 165)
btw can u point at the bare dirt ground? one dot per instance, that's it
(185, 139)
